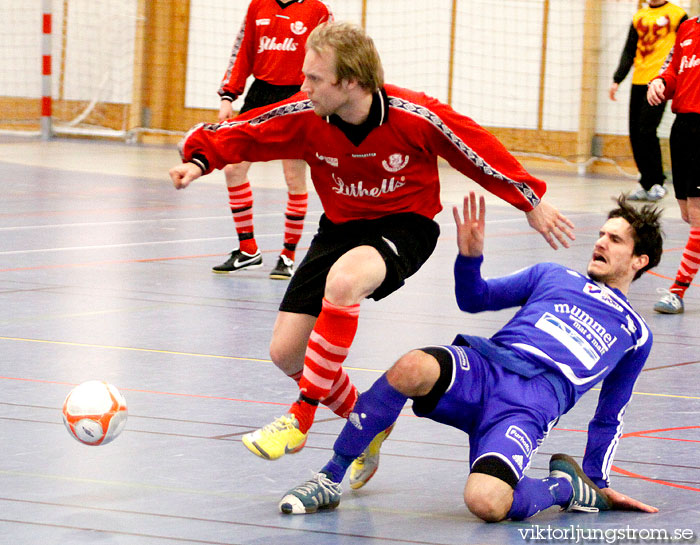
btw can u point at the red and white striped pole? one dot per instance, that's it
(46, 129)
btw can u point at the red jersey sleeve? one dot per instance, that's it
(240, 64)
(670, 74)
(274, 133)
(682, 76)
(475, 152)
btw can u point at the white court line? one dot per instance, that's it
(136, 222)
(132, 244)
(204, 218)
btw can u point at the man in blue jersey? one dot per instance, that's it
(507, 392)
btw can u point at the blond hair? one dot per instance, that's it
(356, 57)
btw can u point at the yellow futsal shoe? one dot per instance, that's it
(280, 437)
(365, 465)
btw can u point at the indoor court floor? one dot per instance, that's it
(105, 273)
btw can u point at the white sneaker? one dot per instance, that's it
(314, 495)
(656, 193)
(669, 303)
(638, 195)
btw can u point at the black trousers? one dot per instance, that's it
(644, 120)
(685, 157)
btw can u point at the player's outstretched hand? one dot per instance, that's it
(551, 224)
(625, 503)
(470, 232)
(183, 174)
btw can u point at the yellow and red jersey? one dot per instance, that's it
(270, 44)
(656, 30)
(650, 38)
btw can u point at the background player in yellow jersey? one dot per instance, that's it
(649, 41)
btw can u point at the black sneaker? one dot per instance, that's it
(239, 261)
(587, 497)
(284, 269)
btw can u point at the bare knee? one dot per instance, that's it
(284, 358)
(355, 275)
(692, 216)
(414, 374)
(236, 174)
(486, 508)
(290, 336)
(341, 287)
(488, 497)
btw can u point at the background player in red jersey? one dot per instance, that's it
(270, 46)
(373, 153)
(680, 81)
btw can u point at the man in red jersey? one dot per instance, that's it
(270, 46)
(373, 154)
(680, 81)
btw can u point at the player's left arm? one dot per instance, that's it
(551, 224)
(663, 86)
(605, 428)
(621, 502)
(479, 155)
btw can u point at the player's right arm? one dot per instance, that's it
(182, 175)
(626, 58)
(263, 134)
(473, 292)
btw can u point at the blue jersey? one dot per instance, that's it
(574, 331)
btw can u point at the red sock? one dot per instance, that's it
(343, 395)
(240, 200)
(294, 222)
(328, 347)
(690, 262)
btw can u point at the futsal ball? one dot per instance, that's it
(94, 413)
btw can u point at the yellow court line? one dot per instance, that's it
(152, 350)
(193, 354)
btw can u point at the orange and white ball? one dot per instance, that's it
(94, 413)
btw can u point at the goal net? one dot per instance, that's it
(89, 55)
(535, 72)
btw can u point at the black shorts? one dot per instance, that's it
(405, 242)
(262, 93)
(685, 155)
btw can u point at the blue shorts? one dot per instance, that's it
(505, 414)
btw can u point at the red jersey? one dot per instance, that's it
(682, 75)
(271, 42)
(388, 165)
